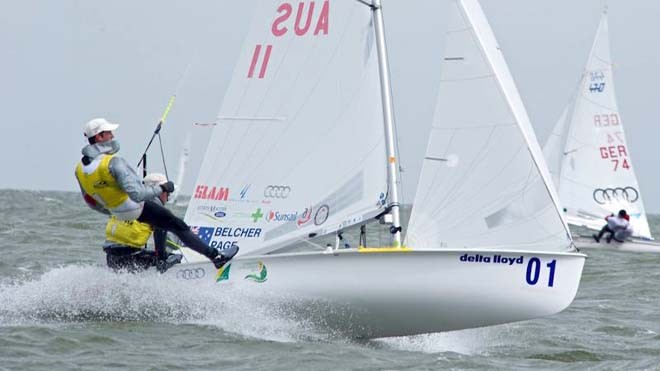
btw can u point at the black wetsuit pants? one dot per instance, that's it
(160, 239)
(161, 218)
(605, 229)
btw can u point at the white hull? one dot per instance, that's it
(384, 294)
(631, 245)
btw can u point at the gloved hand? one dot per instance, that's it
(167, 187)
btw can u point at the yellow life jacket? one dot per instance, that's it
(97, 181)
(127, 232)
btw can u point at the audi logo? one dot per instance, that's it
(607, 195)
(191, 274)
(275, 191)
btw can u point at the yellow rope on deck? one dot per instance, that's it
(365, 249)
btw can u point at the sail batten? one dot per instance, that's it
(488, 76)
(253, 118)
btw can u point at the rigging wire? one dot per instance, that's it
(162, 155)
(170, 103)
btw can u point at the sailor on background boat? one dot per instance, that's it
(111, 186)
(618, 227)
(126, 240)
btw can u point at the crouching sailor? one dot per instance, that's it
(618, 227)
(111, 186)
(125, 240)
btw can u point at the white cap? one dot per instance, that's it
(155, 179)
(98, 125)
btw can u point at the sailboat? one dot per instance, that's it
(305, 149)
(589, 157)
(181, 168)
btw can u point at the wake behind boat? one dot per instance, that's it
(590, 159)
(304, 150)
(638, 245)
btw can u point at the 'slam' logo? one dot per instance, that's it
(203, 192)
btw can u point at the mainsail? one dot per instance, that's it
(299, 147)
(484, 182)
(595, 173)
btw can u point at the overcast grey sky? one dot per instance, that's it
(65, 62)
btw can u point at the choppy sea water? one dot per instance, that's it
(60, 308)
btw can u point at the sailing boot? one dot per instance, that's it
(600, 234)
(222, 256)
(163, 265)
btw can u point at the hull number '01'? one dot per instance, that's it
(534, 271)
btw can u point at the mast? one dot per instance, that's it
(388, 114)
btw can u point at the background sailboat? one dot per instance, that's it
(304, 148)
(184, 156)
(589, 157)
